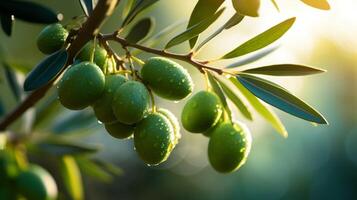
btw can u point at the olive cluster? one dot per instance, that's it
(32, 182)
(122, 103)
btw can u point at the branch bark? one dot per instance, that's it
(90, 28)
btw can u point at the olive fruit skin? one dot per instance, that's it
(229, 146)
(103, 106)
(100, 54)
(81, 85)
(52, 38)
(167, 78)
(174, 122)
(201, 112)
(119, 130)
(131, 102)
(154, 138)
(36, 184)
(247, 7)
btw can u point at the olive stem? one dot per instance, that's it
(200, 65)
(89, 29)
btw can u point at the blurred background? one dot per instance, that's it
(312, 163)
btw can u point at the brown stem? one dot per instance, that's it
(184, 57)
(90, 28)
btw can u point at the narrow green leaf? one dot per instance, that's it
(202, 9)
(6, 23)
(275, 5)
(242, 107)
(12, 81)
(2, 109)
(46, 70)
(72, 178)
(140, 30)
(253, 58)
(28, 11)
(92, 169)
(128, 6)
(140, 6)
(262, 40)
(218, 90)
(62, 147)
(109, 167)
(75, 122)
(280, 98)
(158, 37)
(284, 70)
(320, 4)
(263, 110)
(87, 6)
(234, 20)
(194, 30)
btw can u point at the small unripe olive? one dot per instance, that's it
(154, 138)
(81, 85)
(103, 106)
(131, 102)
(36, 184)
(52, 38)
(247, 7)
(201, 112)
(174, 122)
(100, 54)
(120, 130)
(229, 146)
(167, 78)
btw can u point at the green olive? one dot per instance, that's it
(154, 138)
(36, 184)
(131, 102)
(103, 106)
(52, 38)
(100, 54)
(167, 79)
(120, 130)
(174, 122)
(229, 146)
(247, 7)
(201, 112)
(81, 85)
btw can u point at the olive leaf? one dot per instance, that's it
(46, 70)
(74, 122)
(279, 97)
(320, 4)
(233, 96)
(61, 148)
(194, 30)
(262, 40)
(284, 70)
(2, 109)
(140, 5)
(28, 11)
(263, 110)
(7, 22)
(252, 58)
(128, 6)
(91, 168)
(140, 30)
(234, 20)
(71, 176)
(12, 81)
(87, 6)
(275, 5)
(202, 9)
(218, 90)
